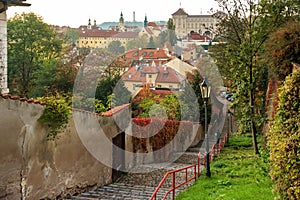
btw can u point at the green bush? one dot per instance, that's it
(56, 114)
(284, 140)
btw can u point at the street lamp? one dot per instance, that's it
(229, 125)
(205, 92)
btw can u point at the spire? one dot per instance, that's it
(95, 23)
(145, 21)
(89, 24)
(121, 18)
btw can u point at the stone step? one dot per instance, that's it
(118, 191)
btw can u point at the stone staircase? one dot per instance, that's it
(120, 191)
(137, 186)
(142, 185)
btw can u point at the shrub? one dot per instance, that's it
(284, 140)
(56, 114)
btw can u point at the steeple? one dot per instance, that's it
(121, 21)
(89, 24)
(95, 23)
(145, 21)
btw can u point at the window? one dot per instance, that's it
(170, 86)
(150, 54)
(142, 74)
(135, 53)
(150, 76)
(159, 86)
(165, 75)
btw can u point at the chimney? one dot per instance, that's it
(133, 16)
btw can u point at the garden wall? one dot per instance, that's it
(32, 167)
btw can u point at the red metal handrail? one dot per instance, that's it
(174, 186)
(216, 148)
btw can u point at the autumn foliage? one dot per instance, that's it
(159, 132)
(284, 140)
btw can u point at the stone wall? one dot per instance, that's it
(32, 167)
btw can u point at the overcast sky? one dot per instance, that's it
(75, 13)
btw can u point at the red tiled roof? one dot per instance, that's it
(164, 75)
(150, 54)
(153, 24)
(95, 32)
(197, 36)
(114, 110)
(17, 98)
(126, 35)
(180, 11)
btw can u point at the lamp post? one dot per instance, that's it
(205, 92)
(229, 125)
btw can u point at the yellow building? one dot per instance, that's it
(93, 37)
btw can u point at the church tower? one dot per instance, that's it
(145, 22)
(89, 24)
(121, 21)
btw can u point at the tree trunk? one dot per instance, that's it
(253, 127)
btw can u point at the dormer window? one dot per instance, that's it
(129, 76)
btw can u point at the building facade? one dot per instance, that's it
(94, 37)
(185, 23)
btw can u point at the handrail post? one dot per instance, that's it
(173, 186)
(199, 160)
(186, 175)
(195, 173)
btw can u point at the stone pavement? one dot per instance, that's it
(142, 185)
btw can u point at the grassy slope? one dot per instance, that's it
(236, 174)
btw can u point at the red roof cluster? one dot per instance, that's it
(164, 74)
(147, 54)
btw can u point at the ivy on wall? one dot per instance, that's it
(284, 140)
(56, 114)
(165, 130)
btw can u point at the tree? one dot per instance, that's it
(116, 47)
(283, 48)
(140, 42)
(171, 32)
(32, 44)
(71, 36)
(245, 27)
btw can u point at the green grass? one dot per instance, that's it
(237, 173)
